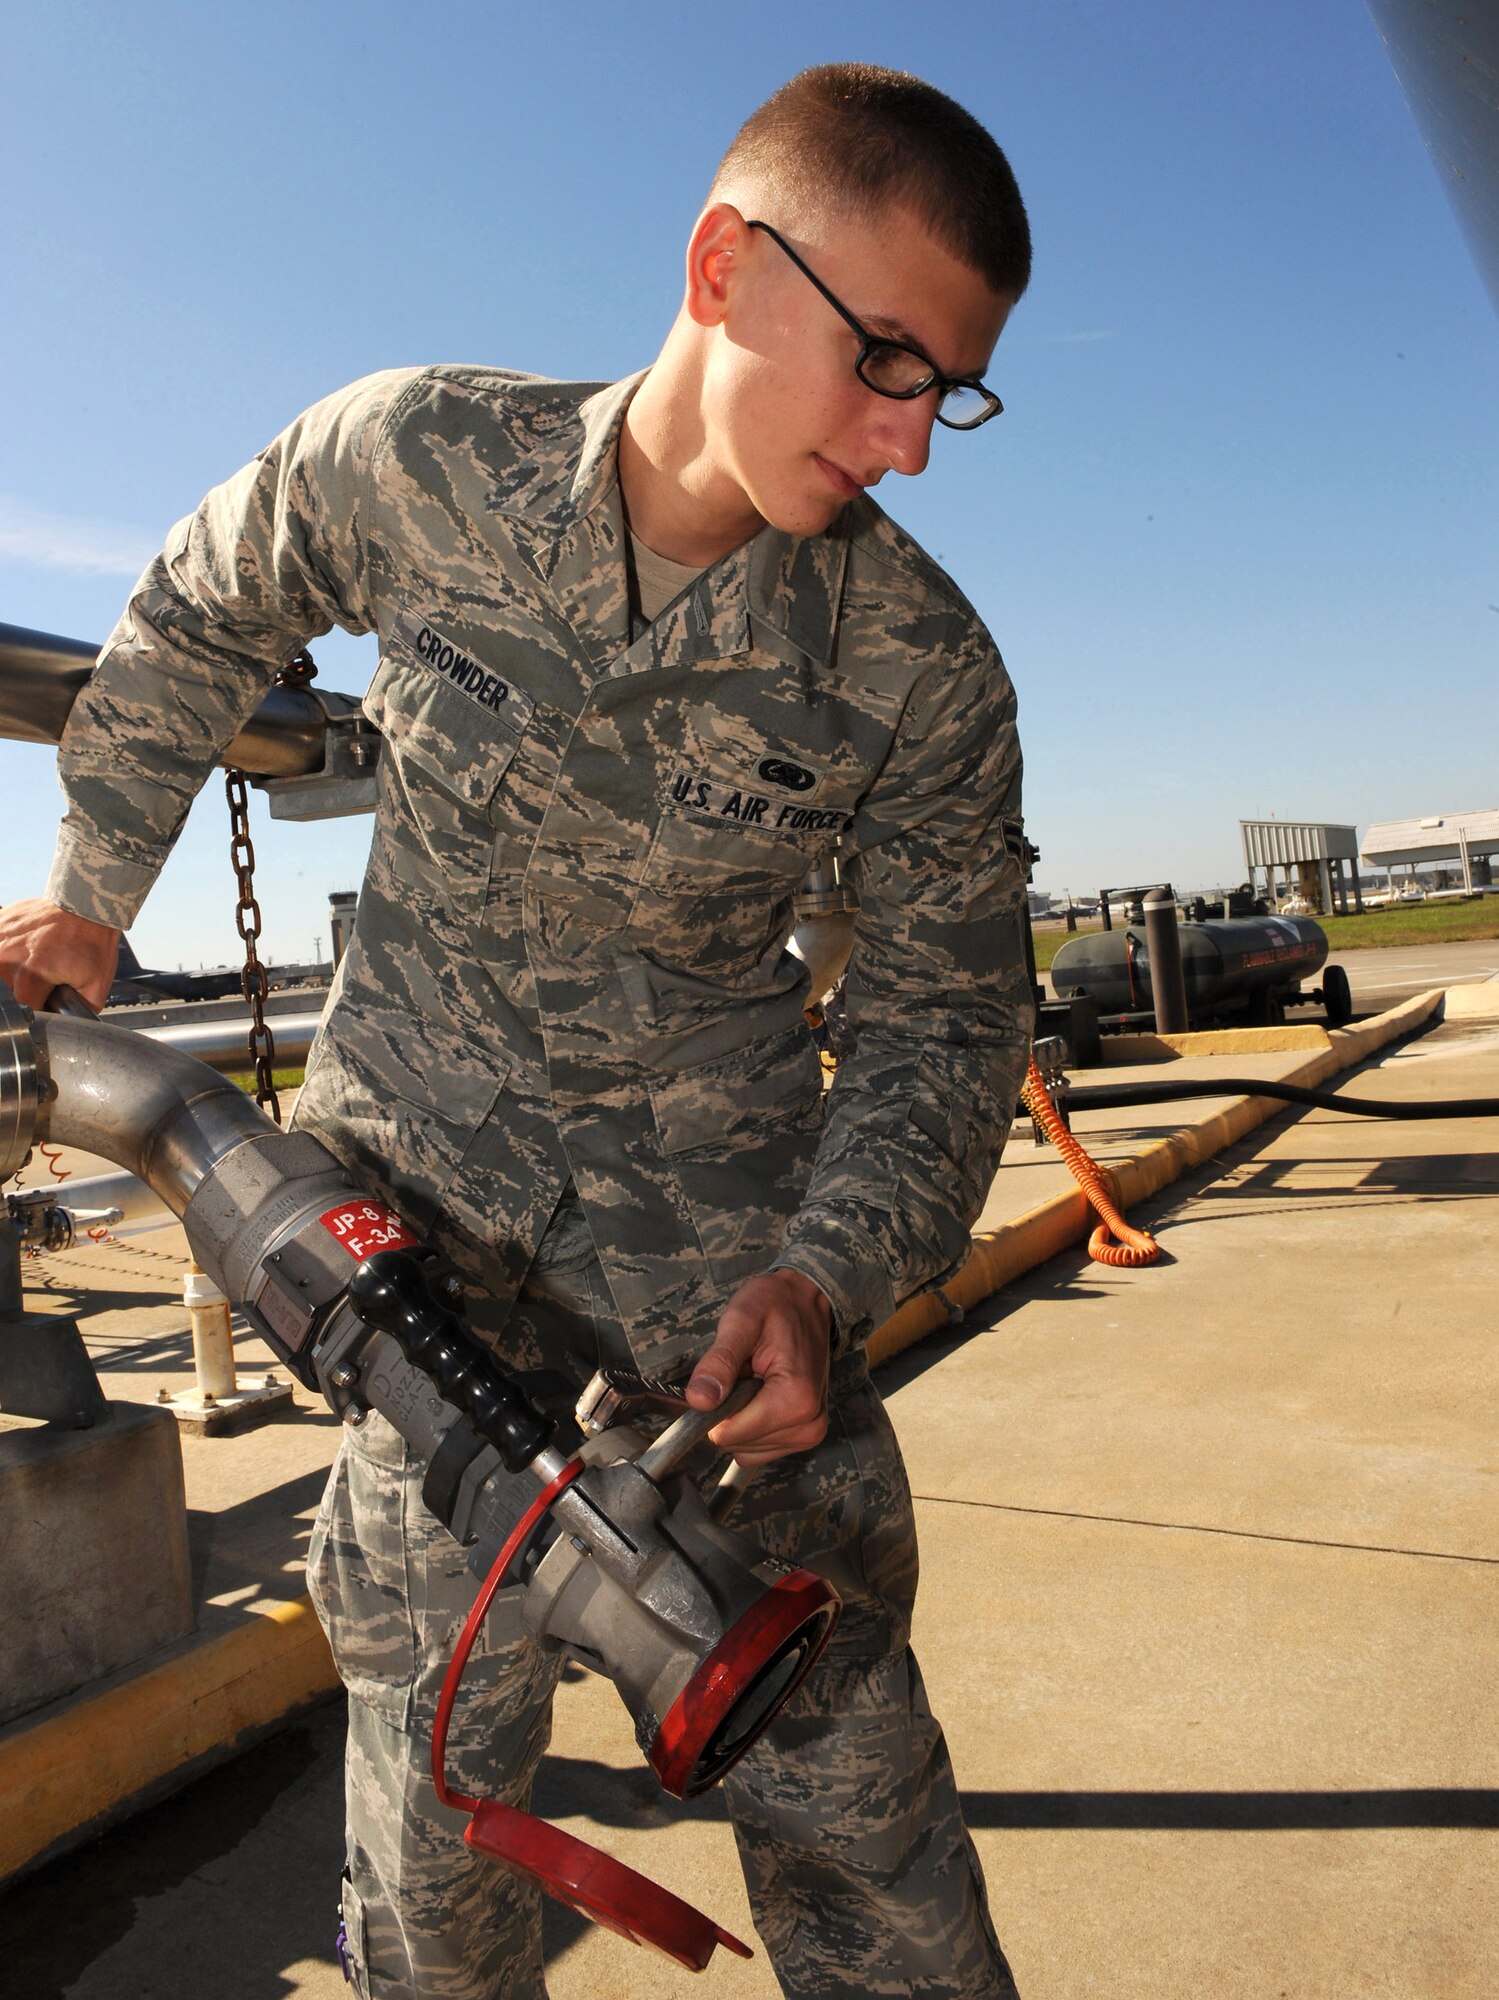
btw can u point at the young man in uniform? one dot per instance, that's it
(648, 652)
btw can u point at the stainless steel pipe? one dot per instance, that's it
(20, 1086)
(164, 1118)
(42, 673)
(224, 1044)
(169, 1120)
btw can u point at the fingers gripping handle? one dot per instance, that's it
(389, 1292)
(682, 1438)
(66, 1000)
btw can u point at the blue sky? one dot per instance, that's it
(1234, 532)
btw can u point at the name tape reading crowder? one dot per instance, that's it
(451, 663)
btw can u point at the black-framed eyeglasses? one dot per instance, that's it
(903, 373)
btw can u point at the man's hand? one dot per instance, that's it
(42, 946)
(777, 1327)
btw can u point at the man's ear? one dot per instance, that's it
(718, 242)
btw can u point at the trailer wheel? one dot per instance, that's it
(1337, 996)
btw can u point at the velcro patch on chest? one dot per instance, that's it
(450, 662)
(716, 801)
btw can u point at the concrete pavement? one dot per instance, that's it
(1235, 1729)
(1209, 1587)
(1382, 975)
(1209, 1556)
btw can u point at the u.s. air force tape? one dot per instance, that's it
(703, 797)
(451, 663)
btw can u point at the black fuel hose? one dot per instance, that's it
(1120, 1096)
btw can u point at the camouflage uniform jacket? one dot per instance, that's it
(585, 849)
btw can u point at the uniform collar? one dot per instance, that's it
(565, 485)
(563, 466)
(795, 585)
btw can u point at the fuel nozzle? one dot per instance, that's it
(611, 1555)
(626, 1566)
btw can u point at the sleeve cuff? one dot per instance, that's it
(91, 882)
(859, 1292)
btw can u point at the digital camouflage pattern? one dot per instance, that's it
(861, 1875)
(569, 956)
(568, 984)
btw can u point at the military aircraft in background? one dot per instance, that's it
(134, 982)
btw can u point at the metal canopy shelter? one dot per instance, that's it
(1317, 860)
(1468, 838)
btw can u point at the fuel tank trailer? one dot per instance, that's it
(1244, 970)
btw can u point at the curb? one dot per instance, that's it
(1220, 1042)
(102, 1753)
(1001, 1255)
(1478, 1001)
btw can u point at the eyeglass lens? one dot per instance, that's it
(964, 404)
(898, 371)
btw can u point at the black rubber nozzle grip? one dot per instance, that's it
(389, 1292)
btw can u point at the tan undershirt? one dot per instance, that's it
(655, 582)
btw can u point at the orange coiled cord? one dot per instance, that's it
(1131, 1246)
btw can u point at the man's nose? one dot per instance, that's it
(903, 432)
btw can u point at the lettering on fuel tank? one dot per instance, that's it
(363, 1227)
(707, 798)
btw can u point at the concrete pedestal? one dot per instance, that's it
(96, 1571)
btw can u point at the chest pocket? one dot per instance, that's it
(742, 818)
(449, 742)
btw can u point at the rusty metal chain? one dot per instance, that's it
(297, 672)
(262, 1043)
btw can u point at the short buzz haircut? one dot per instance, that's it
(858, 138)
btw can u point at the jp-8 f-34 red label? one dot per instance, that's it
(363, 1227)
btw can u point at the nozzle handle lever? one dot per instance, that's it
(389, 1292)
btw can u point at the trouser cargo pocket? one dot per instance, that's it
(356, 1570)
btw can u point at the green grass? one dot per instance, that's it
(1406, 923)
(284, 1079)
(1414, 923)
(1049, 942)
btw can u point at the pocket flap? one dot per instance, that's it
(739, 1098)
(461, 733)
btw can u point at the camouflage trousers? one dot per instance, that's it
(861, 1874)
